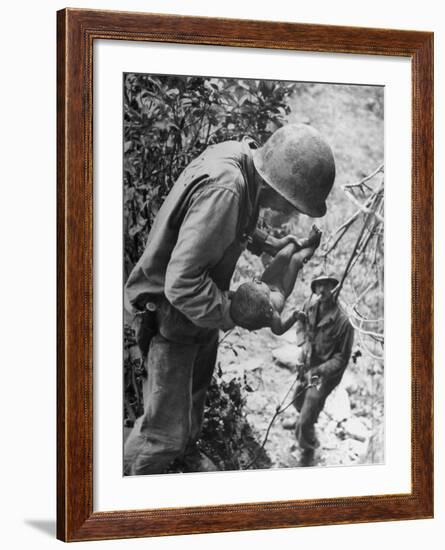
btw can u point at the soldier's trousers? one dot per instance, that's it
(309, 403)
(178, 376)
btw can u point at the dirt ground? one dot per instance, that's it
(347, 434)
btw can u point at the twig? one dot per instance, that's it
(359, 316)
(367, 289)
(363, 320)
(362, 248)
(360, 205)
(376, 335)
(351, 258)
(367, 350)
(343, 228)
(367, 207)
(365, 179)
(228, 333)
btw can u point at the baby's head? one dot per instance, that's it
(250, 307)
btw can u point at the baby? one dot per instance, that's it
(259, 304)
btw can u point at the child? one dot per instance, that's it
(259, 304)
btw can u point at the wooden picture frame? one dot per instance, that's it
(77, 31)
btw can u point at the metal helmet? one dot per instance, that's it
(325, 279)
(299, 165)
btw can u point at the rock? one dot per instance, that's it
(331, 426)
(357, 447)
(376, 447)
(254, 379)
(289, 336)
(253, 363)
(288, 423)
(353, 427)
(367, 422)
(286, 356)
(330, 444)
(357, 450)
(239, 368)
(350, 382)
(337, 405)
(257, 402)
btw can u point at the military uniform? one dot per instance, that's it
(331, 337)
(206, 221)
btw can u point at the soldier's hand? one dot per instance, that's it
(300, 315)
(313, 379)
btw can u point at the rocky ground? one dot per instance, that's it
(350, 428)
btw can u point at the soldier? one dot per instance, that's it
(179, 288)
(330, 336)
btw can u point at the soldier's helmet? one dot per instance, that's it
(297, 162)
(325, 279)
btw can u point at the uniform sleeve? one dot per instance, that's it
(207, 230)
(339, 361)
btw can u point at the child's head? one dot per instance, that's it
(250, 307)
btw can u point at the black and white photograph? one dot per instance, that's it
(223, 225)
(253, 269)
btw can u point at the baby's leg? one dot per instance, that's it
(289, 276)
(283, 269)
(273, 274)
(313, 239)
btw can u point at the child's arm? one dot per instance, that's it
(280, 326)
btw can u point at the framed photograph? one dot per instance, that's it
(245, 260)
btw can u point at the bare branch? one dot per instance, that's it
(362, 295)
(365, 179)
(375, 335)
(360, 205)
(368, 351)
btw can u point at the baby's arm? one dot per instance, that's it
(280, 326)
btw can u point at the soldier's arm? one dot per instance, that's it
(339, 360)
(208, 229)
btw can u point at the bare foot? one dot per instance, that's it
(313, 239)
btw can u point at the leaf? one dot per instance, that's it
(173, 93)
(244, 99)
